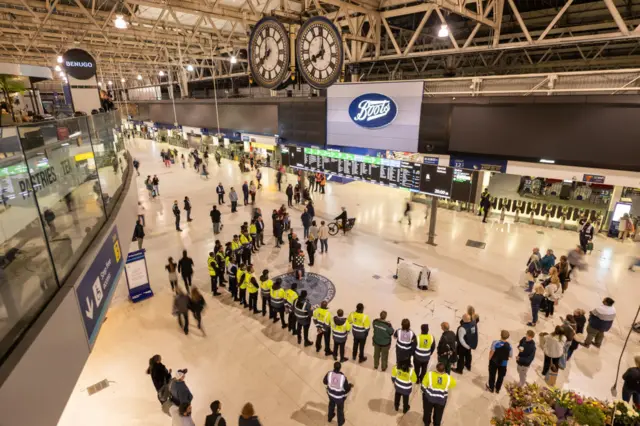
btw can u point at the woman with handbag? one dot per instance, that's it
(160, 376)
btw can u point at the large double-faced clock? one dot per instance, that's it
(319, 52)
(269, 56)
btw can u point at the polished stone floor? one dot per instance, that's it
(246, 358)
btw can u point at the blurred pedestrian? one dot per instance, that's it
(248, 416)
(215, 418)
(196, 305)
(181, 309)
(171, 268)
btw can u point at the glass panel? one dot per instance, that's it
(27, 280)
(63, 174)
(108, 147)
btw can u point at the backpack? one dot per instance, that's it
(164, 394)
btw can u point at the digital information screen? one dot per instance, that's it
(436, 180)
(465, 184)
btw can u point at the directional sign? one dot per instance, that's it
(96, 288)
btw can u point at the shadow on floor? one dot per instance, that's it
(311, 414)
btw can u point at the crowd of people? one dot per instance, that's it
(230, 266)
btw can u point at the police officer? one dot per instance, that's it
(289, 301)
(302, 311)
(424, 348)
(467, 341)
(245, 242)
(213, 267)
(360, 325)
(252, 288)
(340, 328)
(221, 261)
(405, 341)
(322, 321)
(236, 248)
(337, 388)
(233, 269)
(242, 284)
(265, 290)
(253, 232)
(435, 390)
(403, 377)
(277, 302)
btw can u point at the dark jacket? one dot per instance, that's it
(632, 379)
(447, 344)
(219, 190)
(245, 190)
(176, 210)
(185, 266)
(306, 220)
(187, 205)
(382, 332)
(311, 248)
(159, 375)
(581, 320)
(180, 393)
(196, 306)
(211, 420)
(536, 300)
(311, 210)
(602, 318)
(342, 216)
(528, 353)
(181, 304)
(216, 216)
(289, 191)
(138, 231)
(252, 421)
(277, 228)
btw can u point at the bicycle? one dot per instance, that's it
(335, 227)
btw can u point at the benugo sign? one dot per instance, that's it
(79, 64)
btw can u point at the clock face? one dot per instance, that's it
(269, 53)
(319, 52)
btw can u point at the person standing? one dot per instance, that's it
(245, 192)
(196, 305)
(306, 223)
(467, 342)
(313, 233)
(322, 321)
(138, 233)
(156, 184)
(424, 348)
(563, 272)
(160, 376)
(252, 288)
(252, 192)
(216, 218)
(232, 270)
(176, 213)
(182, 160)
(260, 230)
(337, 388)
(220, 192)
(340, 328)
(537, 299)
(323, 235)
(276, 301)
(185, 268)
(212, 266)
(580, 321)
(405, 341)
(485, 204)
(586, 235)
(279, 180)
(265, 290)
(360, 325)
(187, 208)
(181, 414)
(289, 192)
(631, 386)
(551, 295)
(141, 211)
(447, 347)
(173, 277)
(181, 310)
(302, 311)
(526, 355)
(243, 279)
(233, 197)
(247, 248)
(291, 295)
(215, 418)
(258, 177)
(382, 334)
(403, 377)
(311, 250)
(600, 321)
(136, 165)
(553, 348)
(435, 392)
(498, 360)
(277, 231)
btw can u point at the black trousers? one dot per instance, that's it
(486, 212)
(275, 311)
(183, 320)
(495, 383)
(583, 243)
(326, 336)
(233, 288)
(177, 223)
(214, 284)
(429, 408)
(234, 206)
(289, 200)
(547, 364)
(358, 346)
(338, 346)
(333, 405)
(311, 257)
(292, 321)
(265, 303)
(405, 402)
(246, 256)
(243, 296)
(220, 198)
(253, 302)
(198, 316)
(464, 358)
(187, 281)
(306, 332)
(421, 368)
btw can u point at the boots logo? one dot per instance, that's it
(373, 110)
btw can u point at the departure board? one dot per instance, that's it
(436, 180)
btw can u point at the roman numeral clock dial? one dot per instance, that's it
(319, 52)
(269, 49)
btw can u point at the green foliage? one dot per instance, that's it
(588, 415)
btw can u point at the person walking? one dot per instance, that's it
(382, 334)
(322, 321)
(160, 375)
(171, 268)
(526, 355)
(136, 165)
(220, 192)
(340, 328)
(176, 212)
(424, 348)
(182, 160)
(180, 393)
(536, 298)
(138, 234)
(360, 325)
(563, 272)
(600, 321)
(215, 418)
(631, 386)
(447, 347)
(245, 192)
(216, 219)
(233, 197)
(467, 342)
(435, 392)
(196, 305)
(407, 213)
(276, 301)
(156, 184)
(181, 310)
(181, 414)
(323, 236)
(291, 295)
(212, 266)
(337, 388)
(498, 360)
(289, 192)
(553, 348)
(148, 184)
(279, 180)
(185, 268)
(311, 250)
(403, 377)
(248, 416)
(265, 290)
(405, 341)
(187, 208)
(302, 311)
(141, 211)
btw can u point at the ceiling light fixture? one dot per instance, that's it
(120, 23)
(547, 161)
(139, 77)
(61, 74)
(109, 82)
(444, 31)
(189, 67)
(59, 59)
(233, 60)
(57, 68)
(161, 73)
(122, 80)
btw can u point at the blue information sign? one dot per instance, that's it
(96, 288)
(137, 276)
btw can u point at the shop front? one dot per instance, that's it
(263, 147)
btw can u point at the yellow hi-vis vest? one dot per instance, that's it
(212, 268)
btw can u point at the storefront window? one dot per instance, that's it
(27, 279)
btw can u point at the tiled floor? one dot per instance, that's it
(245, 358)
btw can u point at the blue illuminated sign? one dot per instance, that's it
(373, 110)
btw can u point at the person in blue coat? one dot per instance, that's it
(245, 192)
(547, 261)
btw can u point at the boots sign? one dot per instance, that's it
(79, 64)
(373, 110)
